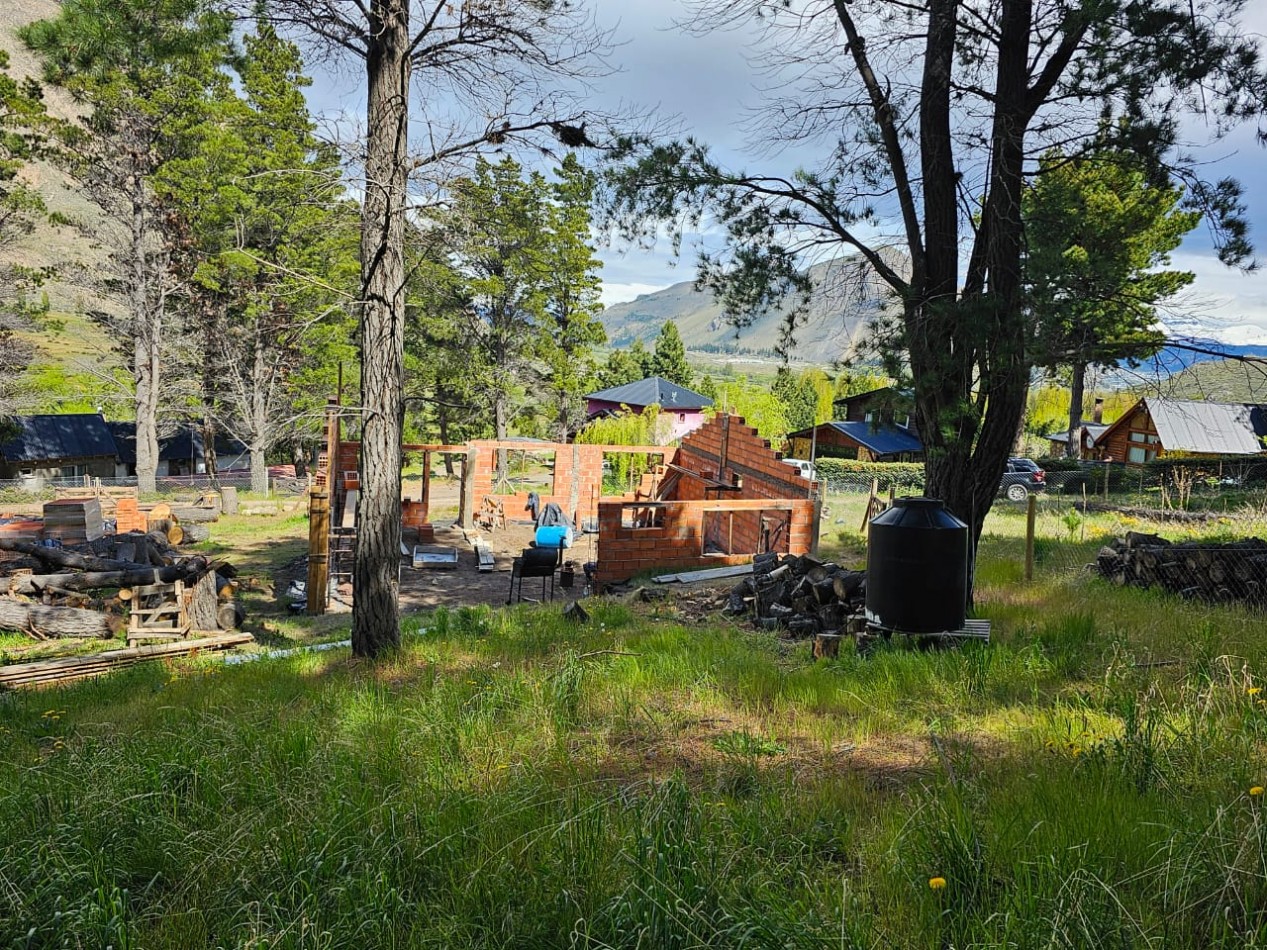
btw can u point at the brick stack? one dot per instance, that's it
(129, 517)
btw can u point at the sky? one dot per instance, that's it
(705, 84)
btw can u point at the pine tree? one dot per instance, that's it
(670, 357)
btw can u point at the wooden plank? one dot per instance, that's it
(349, 508)
(484, 555)
(708, 574)
(69, 668)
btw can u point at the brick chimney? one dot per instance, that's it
(1097, 414)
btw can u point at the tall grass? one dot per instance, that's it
(515, 780)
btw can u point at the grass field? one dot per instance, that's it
(1091, 778)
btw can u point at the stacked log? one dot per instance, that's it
(1212, 571)
(801, 596)
(83, 592)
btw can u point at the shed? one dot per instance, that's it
(179, 453)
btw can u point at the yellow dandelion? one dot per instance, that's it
(1253, 690)
(937, 883)
(1256, 791)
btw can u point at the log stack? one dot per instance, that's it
(73, 520)
(801, 596)
(86, 592)
(1215, 572)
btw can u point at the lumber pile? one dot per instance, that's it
(1197, 570)
(801, 596)
(91, 590)
(73, 520)
(48, 672)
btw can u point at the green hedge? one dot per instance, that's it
(897, 474)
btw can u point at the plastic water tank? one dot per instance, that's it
(917, 568)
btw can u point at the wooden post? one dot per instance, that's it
(1030, 514)
(318, 550)
(426, 486)
(466, 510)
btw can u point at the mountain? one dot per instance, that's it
(846, 299)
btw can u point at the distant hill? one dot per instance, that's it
(845, 300)
(1220, 380)
(74, 352)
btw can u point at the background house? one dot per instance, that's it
(180, 453)
(1155, 426)
(49, 447)
(682, 408)
(884, 406)
(865, 441)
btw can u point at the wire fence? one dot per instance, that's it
(23, 491)
(1196, 531)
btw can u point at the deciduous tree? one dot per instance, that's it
(930, 115)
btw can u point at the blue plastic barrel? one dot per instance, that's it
(554, 536)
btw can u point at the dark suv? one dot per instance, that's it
(1021, 477)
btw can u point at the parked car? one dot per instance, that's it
(1021, 477)
(803, 467)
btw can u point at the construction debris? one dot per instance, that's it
(47, 672)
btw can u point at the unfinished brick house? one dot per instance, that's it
(722, 497)
(715, 500)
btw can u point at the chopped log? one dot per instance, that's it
(230, 615)
(43, 622)
(161, 511)
(802, 626)
(194, 533)
(187, 570)
(195, 514)
(159, 546)
(59, 557)
(847, 582)
(825, 590)
(826, 646)
(229, 500)
(204, 604)
(1135, 539)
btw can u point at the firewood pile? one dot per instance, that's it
(90, 590)
(1196, 570)
(802, 596)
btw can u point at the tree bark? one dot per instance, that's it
(147, 326)
(93, 580)
(376, 608)
(44, 621)
(259, 417)
(1077, 388)
(57, 557)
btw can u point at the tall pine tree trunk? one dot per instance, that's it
(259, 417)
(147, 327)
(1077, 389)
(376, 608)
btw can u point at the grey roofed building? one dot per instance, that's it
(1208, 428)
(45, 445)
(654, 390)
(1092, 429)
(879, 441)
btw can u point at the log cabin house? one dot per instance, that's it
(1155, 426)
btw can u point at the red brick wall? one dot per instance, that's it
(718, 451)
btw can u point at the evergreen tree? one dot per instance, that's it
(670, 357)
(1100, 235)
(572, 288)
(627, 365)
(798, 400)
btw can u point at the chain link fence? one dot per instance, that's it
(25, 491)
(1194, 528)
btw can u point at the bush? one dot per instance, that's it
(899, 475)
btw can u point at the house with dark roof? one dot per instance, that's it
(180, 453)
(866, 441)
(48, 447)
(682, 408)
(1154, 427)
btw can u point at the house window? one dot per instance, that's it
(71, 471)
(1143, 447)
(681, 417)
(869, 417)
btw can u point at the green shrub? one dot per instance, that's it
(900, 475)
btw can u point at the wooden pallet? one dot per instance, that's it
(50, 672)
(168, 619)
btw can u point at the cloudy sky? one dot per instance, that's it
(706, 84)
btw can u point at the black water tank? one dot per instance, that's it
(917, 568)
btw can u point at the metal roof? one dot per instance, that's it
(1213, 428)
(1094, 429)
(653, 390)
(49, 438)
(185, 443)
(880, 440)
